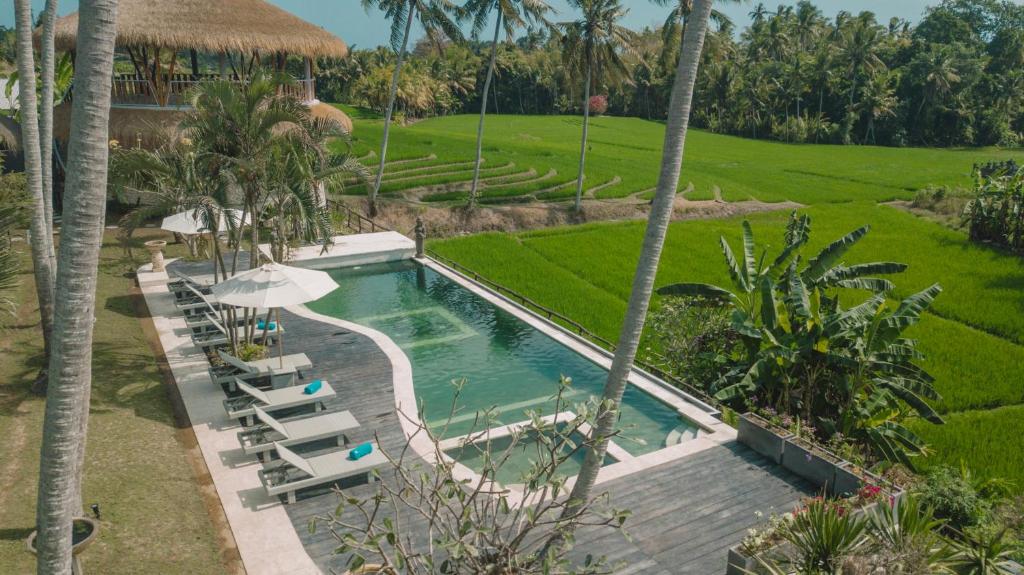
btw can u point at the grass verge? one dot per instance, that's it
(154, 515)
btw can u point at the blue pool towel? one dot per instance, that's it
(272, 326)
(361, 450)
(313, 387)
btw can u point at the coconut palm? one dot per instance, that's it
(435, 17)
(674, 29)
(67, 405)
(42, 239)
(878, 100)
(594, 43)
(650, 254)
(47, 68)
(859, 46)
(511, 16)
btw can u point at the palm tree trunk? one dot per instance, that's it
(46, 69)
(393, 92)
(647, 266)
(583, 141)
(483, 113)
(67, 404)
(39, 231)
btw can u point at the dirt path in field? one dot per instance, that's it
(447, 221)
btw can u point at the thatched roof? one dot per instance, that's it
(211, 26)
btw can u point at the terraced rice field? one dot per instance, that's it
(534, 158)
(973, 337)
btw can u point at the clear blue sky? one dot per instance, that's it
(347, 19)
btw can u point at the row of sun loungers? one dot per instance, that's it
(267, 435)
(268, 387)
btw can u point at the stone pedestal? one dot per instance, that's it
(156, 254)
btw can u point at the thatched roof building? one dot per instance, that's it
(211, 26)
(161, 37)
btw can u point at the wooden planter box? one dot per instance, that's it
(762, 437)
(802, 459)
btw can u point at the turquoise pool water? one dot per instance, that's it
(450, 333)
(526, 451)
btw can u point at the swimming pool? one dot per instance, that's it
(450, 333)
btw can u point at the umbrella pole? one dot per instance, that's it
(280, 344)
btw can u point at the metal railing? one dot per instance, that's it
(355, 221)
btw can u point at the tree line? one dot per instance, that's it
(955, 78)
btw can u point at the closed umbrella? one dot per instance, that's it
(190, 222)
(274, 285)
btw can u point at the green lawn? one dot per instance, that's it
(153, 514)
(630, 149)
(973, 338)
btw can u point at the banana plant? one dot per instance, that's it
(848, 371)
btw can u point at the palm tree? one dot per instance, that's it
(296, 206)
(877, 101)
(511, 15)
(434, 16)
(758, 14)
(647, 266)
(674, 29)
(859, 47)
(239, 126)
(593, 43)
(47, 68)
(67, 405)
(42, 239)
(250, 133)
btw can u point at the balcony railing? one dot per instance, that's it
(171, 90)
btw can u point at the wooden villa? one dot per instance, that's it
(164, 48)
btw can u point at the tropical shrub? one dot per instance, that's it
(693, 338)
(996, 213)
(252, 351)
(598, 105)
(842, 370)
(953, 498)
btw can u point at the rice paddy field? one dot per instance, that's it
(534, 158)
(973, 337)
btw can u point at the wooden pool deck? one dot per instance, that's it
(686, 513)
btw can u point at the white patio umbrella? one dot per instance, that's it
(190, 222)
(274, 285)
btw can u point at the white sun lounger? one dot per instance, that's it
(260, 439)
(187, 291)
(279, 369)
(198, 322)
(179, 285)
(293, 472)
(243, 407)
(219, 335)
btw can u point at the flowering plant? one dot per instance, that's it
(598, 105)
